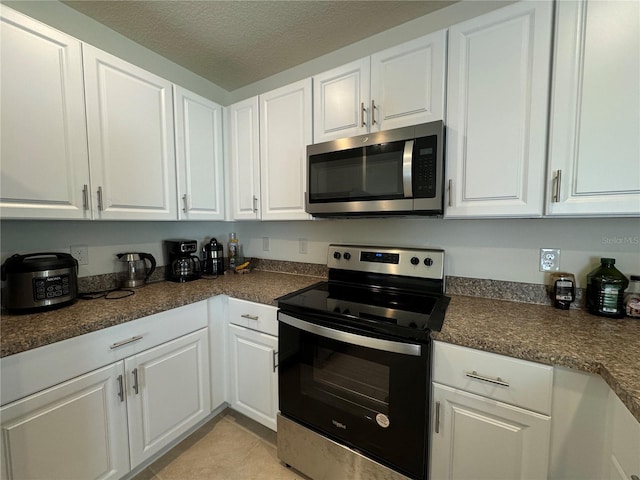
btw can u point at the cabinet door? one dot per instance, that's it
(131, 147)
(285, 132)
(341, 101)
(497, 112)
(623, 453)
(244, 159)
(75, 430)
(594, 149)
(476, 437)
(168, 393)
(407, 83)
(253, 377)
(198, 157)
(45, 164)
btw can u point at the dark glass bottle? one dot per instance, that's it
(605, 290)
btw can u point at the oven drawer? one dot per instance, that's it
(255, 316)
(517, 382)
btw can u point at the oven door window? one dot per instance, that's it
(364, 173)
(339, 376)
(371, 400)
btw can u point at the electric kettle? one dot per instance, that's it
(133, 272)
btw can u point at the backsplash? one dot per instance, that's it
(474, 287)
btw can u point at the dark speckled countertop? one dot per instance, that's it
(573, 338)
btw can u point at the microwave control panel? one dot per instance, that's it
(424, 167)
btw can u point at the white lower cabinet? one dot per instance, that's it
(484, 425)
(103, 424)
(622, 458)
(480, 438)
(75, 430)
(167, 393)
(253, 361)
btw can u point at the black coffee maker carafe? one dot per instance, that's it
(213, 258)
(183, 265)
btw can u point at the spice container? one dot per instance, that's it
(605, 290)
(632, 297)
(564, 290)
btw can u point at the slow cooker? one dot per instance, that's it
(39, 281)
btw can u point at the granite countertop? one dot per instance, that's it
(539, 333)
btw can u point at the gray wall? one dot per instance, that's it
(496, 249)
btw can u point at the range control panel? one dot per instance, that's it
(411, 262)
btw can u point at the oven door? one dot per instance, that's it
(368, 393)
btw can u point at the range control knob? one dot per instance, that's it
(336, 255)
(347, 256)
(415, 260)
(428, 262)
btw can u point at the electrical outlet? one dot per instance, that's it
(80, 253)
(549, 259)
(302, 245)
(265, 244)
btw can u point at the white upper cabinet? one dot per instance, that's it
(340, 101)
(268, 136)
(243, 148)
(400, 86)
(285, 132)
(408, 83)
(497, 97)
(198, 157)
(45, 165)
(594, 149)
(131, 140)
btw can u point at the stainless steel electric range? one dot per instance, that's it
(354, 364)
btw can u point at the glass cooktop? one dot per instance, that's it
(397, 313)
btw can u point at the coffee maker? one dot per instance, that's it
(213, 258)
(183, 263)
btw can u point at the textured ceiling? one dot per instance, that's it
(237, 42)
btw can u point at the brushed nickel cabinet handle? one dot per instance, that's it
(275, 365)
(100, 203)
(185, 203)
(255, 204)
(362, 112)
(250, 317)
(125, 342)
(497, 380)
(450, 192)
(437, 417)
(135, 380)
(85, 197)
(557, 178)
(373, 112)
(121, 388)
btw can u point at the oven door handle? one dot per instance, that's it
(347, 337)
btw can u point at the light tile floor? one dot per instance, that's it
(229, 447)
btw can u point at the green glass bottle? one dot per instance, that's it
(605, 290)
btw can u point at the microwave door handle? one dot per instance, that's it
(407, 157)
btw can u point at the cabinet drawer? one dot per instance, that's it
(255, 316)
(509, 380)
(34, 370)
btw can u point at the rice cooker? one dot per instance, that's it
(39, 281)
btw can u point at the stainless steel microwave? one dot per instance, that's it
(393, 172)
